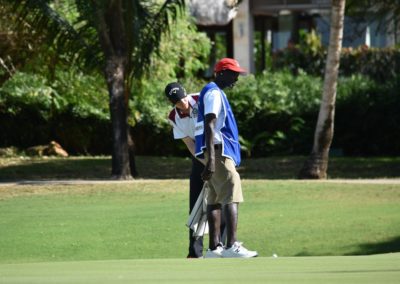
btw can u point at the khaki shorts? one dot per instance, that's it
(225, 185)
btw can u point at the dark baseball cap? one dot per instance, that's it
(175, 92)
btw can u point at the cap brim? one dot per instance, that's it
(239, 70)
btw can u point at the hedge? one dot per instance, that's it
(73, 111)
(276, 114)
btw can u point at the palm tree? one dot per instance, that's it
(116, 36)
(316, 165)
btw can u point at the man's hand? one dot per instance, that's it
(208, 171)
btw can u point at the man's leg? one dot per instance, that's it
(234, 248)
(223, 227)
(196, 185)
(231, 219)
(214, 225)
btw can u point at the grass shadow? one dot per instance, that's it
(55, 168)
(90, 168)
(389, 246)
(150, 167)
(338, 167)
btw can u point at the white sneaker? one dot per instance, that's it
(217, 253)
(237, 250)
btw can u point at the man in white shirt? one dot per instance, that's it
(183, 118)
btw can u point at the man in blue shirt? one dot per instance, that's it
(217, 139)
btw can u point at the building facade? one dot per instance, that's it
(261, 27)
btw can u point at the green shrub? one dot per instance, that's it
(73, 111)
(87, 95)
(276, 114)
(379, 64)
(84, 95)
(30, 91)
(269, 109)
(309, 55)
(367, 117)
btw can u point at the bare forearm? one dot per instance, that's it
(209, 139)
(209, 126)
(190, 144)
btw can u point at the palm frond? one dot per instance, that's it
(59, 33)
(144, 24)
(151, 24)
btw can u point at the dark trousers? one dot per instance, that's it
(196, 185)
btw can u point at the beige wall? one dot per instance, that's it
(243, 36)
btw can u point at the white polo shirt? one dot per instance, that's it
(213, 104)
(184, 124)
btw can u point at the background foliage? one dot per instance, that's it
(379, 64)
(72, 109)
(43, 98)
(183, 54)
(276, 113)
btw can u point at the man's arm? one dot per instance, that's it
(191, 147)
(209, 126)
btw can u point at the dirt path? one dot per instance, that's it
(109, 181)
(361, 181)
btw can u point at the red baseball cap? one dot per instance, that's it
(228, 64)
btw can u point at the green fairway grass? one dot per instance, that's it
(145, 219)
(310, 270)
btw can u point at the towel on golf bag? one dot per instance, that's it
(197, 220)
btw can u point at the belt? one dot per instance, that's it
(217, 146)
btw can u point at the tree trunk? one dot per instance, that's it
(115, 80)
(316, 165)
(132, 161)
(112, 35)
